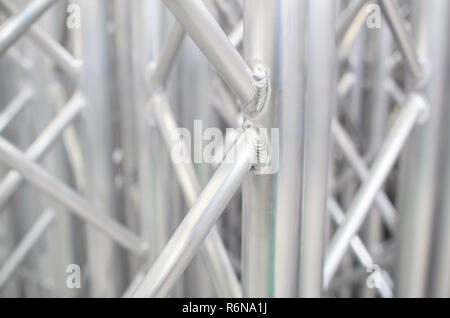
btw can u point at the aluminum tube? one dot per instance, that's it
(14, 107)
(360, 206)
(212, 250)
(321, 92)
(13, 179)
(375, 110)
(16, 26)
(237, 34)
(440, 274)
(225, 104)
(41, 179)
(350, 36)
(154, 209)
(344, 141)
(9, 267)
(259, 192)
(55, 50)
(160, 72)
(97, 131)
(419, 172)
(361, 251)
(213, 42)
(347, 17)
(291, 86)
(199, 220)
(392, 15)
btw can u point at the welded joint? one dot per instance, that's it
(423, 106)
(425, 74)
(149, 76)
(258, 139)
(260, 74)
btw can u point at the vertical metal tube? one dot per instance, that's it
(98, 145)
(417, 195)
(290, 84)
(321, 92)
(259, 192)
(440, 272)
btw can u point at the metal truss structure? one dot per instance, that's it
(336, 184)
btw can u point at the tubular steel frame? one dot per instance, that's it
(269, 96)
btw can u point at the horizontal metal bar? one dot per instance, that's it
(160, 71)
(11, 182)
(213, 42)
(62, 193)
(212, 250)
(9, 267)
(361, 251)
(358, 209)
(17, 25)
(60, 55)
(392, 16)
(345, 143)
(14, 107)
(199, 221)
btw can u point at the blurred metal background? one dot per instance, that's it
(347, 195)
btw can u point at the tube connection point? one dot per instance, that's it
(259, 75)
(259, 142)
(422, 104)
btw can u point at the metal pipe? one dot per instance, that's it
(361, 251)
(403, 39)
(417, 190)
(259, 192)
(291, 87)
(347, 17)
(14, 107)
(159, 72)
(360, 206)
(210, 38)
(212, 250)
(225, 104)
(12, 180)
(41, 179)
(321, 91)
(344, 141)
(9, 267)
(55, 50)
(440, 273)
(350, 36)
(16, 26)
(200, 219)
